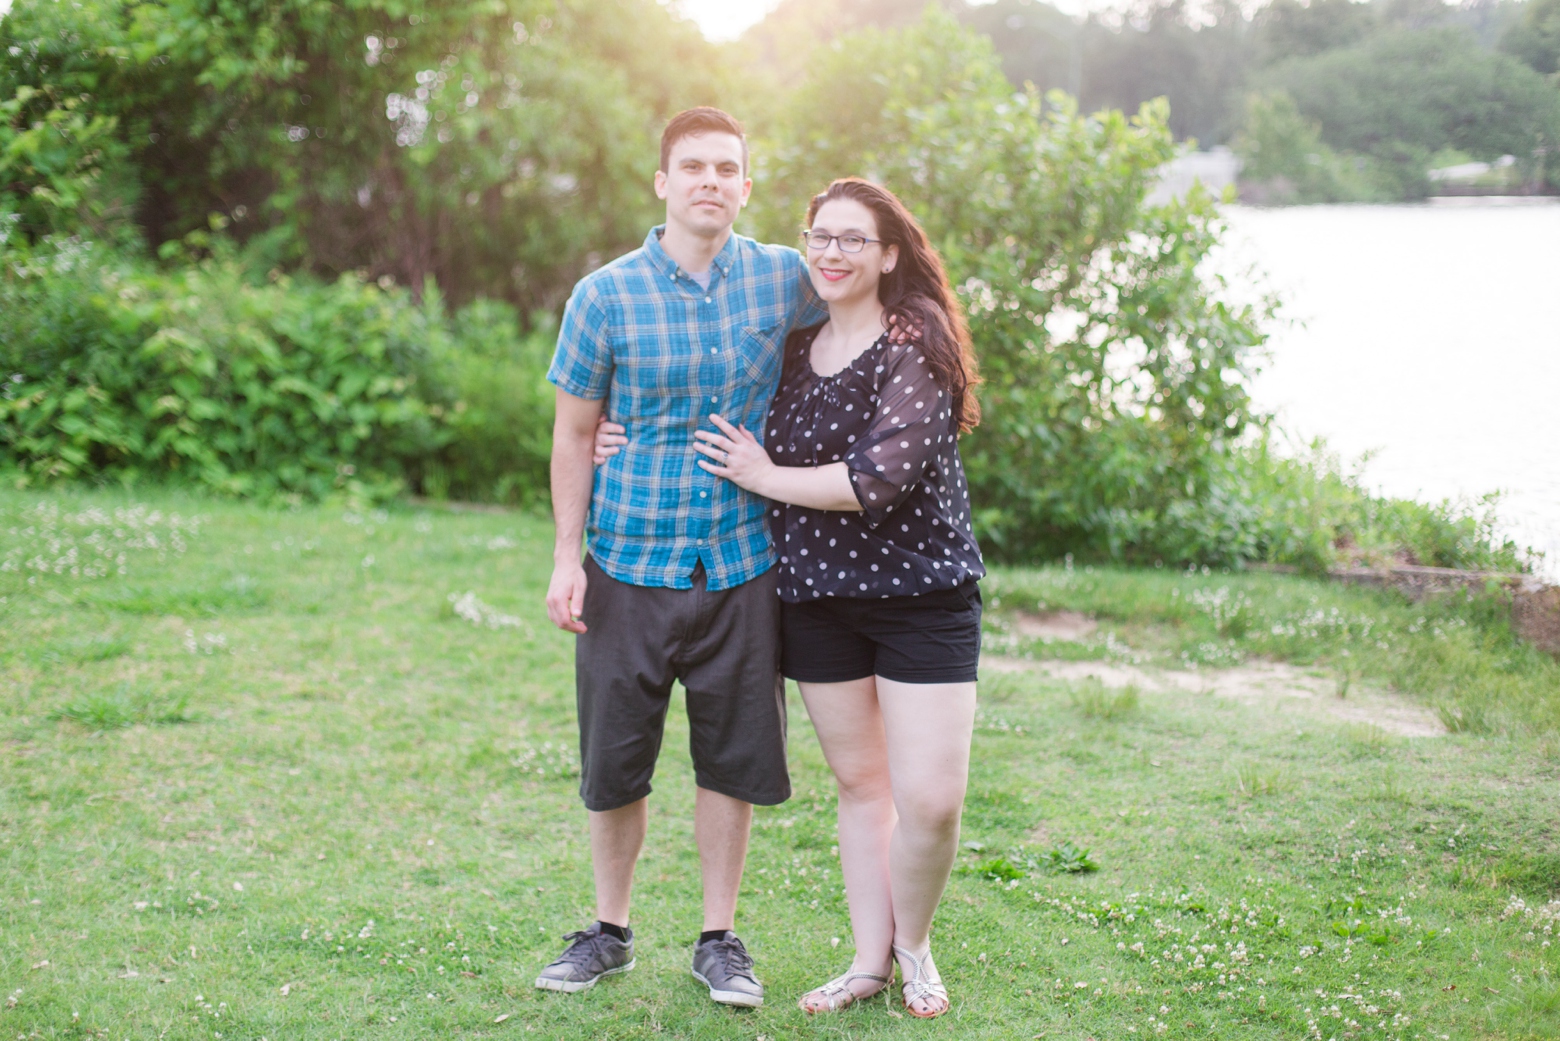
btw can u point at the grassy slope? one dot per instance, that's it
(391, 787)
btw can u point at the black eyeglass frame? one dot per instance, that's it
(807, 237)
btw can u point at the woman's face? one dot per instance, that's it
(839, 275)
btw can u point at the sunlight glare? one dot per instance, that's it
(719, 19)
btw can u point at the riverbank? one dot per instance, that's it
(310, 774)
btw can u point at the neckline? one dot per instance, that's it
(837, 373)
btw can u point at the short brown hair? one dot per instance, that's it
(701, 120)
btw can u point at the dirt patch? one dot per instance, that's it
(1055, 625)
(1273, 684)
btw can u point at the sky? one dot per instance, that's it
(717, 19)
(726, 19)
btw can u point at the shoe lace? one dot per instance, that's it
(582, 946)
(737, 960)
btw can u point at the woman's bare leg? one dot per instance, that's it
(927, 727)
(850, 730)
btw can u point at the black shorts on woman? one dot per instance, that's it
(889, 590)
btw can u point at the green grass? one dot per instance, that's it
(365, 823)
(1456, 653)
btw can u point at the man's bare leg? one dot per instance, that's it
(616, 837)
(720, 827)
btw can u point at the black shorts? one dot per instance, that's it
(931, 638)
(722, 646)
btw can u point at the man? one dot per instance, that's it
(678, 583)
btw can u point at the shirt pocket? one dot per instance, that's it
(759, 353)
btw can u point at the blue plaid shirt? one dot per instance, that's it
(669, 353)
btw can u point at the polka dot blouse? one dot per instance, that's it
(888, 421)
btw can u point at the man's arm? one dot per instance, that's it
(574, 434)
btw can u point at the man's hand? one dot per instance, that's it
(609, 436)
(566, 597)
(900, 331)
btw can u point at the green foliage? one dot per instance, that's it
(1291, 29)
(1115, 375)
(1535, 38)
(120, 372)
(501, 427)
(1285, 161)
(53, 152)
(501, 146)
(1068, 859)
(1399, 97)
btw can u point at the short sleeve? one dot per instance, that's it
(909, 431)
(582, 363)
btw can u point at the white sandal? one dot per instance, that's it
(922, 984)
(837, 993)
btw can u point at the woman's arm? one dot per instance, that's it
(736, 455)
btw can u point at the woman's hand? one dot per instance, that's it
(734, 454)
(609, 436)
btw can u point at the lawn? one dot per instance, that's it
(310, 774)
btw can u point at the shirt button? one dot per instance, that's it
(707, 300)
(703, 495)
(715, 397)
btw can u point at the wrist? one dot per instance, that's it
(567, 555)
(763, 482)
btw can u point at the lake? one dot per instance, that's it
(1427, 336)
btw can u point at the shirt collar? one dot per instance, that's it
(723, 264)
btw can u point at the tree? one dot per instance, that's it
(499, 146)
(1284, 160)
(1535, 39)
(1291, 29)
(1399, 97)
(1115, 375)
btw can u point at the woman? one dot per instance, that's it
(878, 569)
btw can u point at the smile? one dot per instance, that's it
(832, 274)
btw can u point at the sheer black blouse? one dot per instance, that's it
(885, 417)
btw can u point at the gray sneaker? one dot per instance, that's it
(591, 954)
(725, 967)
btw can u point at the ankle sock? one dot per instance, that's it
(617, 931)
(712, 934)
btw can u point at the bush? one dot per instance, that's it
(1115, 369)
(118, 371)
(501, 427)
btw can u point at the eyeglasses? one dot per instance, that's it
(848, 243)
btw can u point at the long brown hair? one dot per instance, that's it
(917, 292)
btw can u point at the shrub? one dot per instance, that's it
(501, 427)
(115, 370)
(1115, 368)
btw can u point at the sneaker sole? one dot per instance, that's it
(730, 997)
(575, 986)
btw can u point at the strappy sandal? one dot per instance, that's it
(837, 993)
(922, 984)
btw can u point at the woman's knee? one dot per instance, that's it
(864, 785)
(931, 812)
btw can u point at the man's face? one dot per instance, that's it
(704, 184)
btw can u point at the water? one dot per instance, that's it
(1427, 335)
